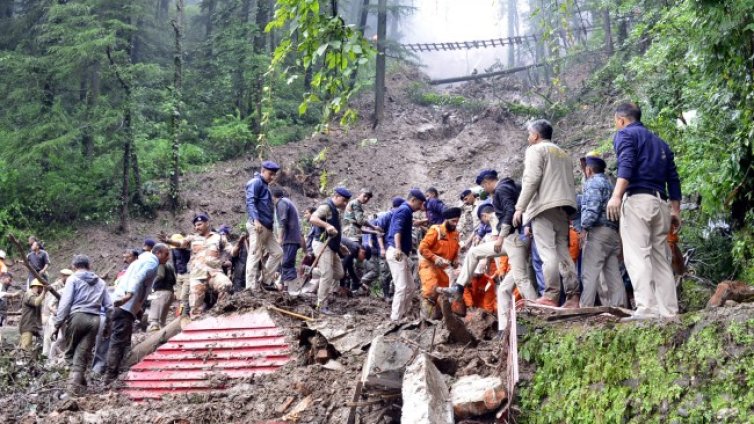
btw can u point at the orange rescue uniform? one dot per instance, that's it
(438, 242)
(476, 297)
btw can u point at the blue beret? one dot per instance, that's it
(485, 207)
(464, 193)
(224, 229)
(200, 217)
(595, 161)
(485, 173)
(416, 193)
(397, 201)
(272, 166)
(342, 191)
(149, 242)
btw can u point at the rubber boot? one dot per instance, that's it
(76, 383)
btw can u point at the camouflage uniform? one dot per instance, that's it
(353, 220)
(205, 269)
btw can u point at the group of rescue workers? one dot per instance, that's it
(514, 236)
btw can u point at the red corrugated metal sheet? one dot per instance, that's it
(234, 346)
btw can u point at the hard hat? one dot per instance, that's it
(66, 272)
(2, 254)
(35, 283)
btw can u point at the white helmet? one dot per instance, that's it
(2, 254)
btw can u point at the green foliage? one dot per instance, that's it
(325, 46)
(702, 59)
(421, 94)
(688, 371)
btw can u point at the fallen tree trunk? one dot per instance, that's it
(152, 342)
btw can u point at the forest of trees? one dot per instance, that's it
(105, 102)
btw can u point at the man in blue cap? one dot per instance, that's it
(399, 242)
(326, 221)
(378, 244)
(261, 212)
(434, 206)
(647, 179)
(599, 238)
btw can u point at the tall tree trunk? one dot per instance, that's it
(162, 9)
(6, 9)
(622, 32)
(260, 48)
(138, 196)
(262, 18)
(209, 7)
(92, 95)
(363, 15)
(512, 15)
(125, 193)
(175, 121)
(48, 95)
(379, 85)
(608, 31)
(239, 83)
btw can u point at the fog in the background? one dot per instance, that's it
(435, 21)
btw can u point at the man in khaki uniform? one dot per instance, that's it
(205, 266)
(30, 325)
(647, 178)
(467, 223)
(547, 200)
(327, 225)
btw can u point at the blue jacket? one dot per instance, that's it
(435, 208)
(259, 204)
(597, 192)
(138, 280)
(401, 222)
(646, 161)
(84, 292)
(382, 222)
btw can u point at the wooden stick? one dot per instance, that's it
(289, 313)
(33, 271)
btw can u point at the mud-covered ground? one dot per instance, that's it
(31, 392)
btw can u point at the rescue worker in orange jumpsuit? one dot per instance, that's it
(439, 256)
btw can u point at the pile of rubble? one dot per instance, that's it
(357, 367)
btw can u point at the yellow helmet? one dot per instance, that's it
(593, 154)
(35, 283)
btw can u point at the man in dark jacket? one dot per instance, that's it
(262, 241)
(84, 295)
(161, 297)
(290, 237)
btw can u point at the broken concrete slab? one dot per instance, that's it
(473, 395)
(426, 399)
(385, 363)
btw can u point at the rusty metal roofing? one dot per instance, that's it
(207, 353)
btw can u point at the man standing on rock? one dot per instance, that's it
(326, 222)
(205, 265)
(39, 260)
(290, 238)
(262, 241)
(600, 239)
(379, 245)
(438, 252)
(84, 295)
(399, 248)
(646, 175)
(547, 200)
(130, 296)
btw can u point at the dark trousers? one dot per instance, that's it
(81, 333)
(122, 324)
(288, 267)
